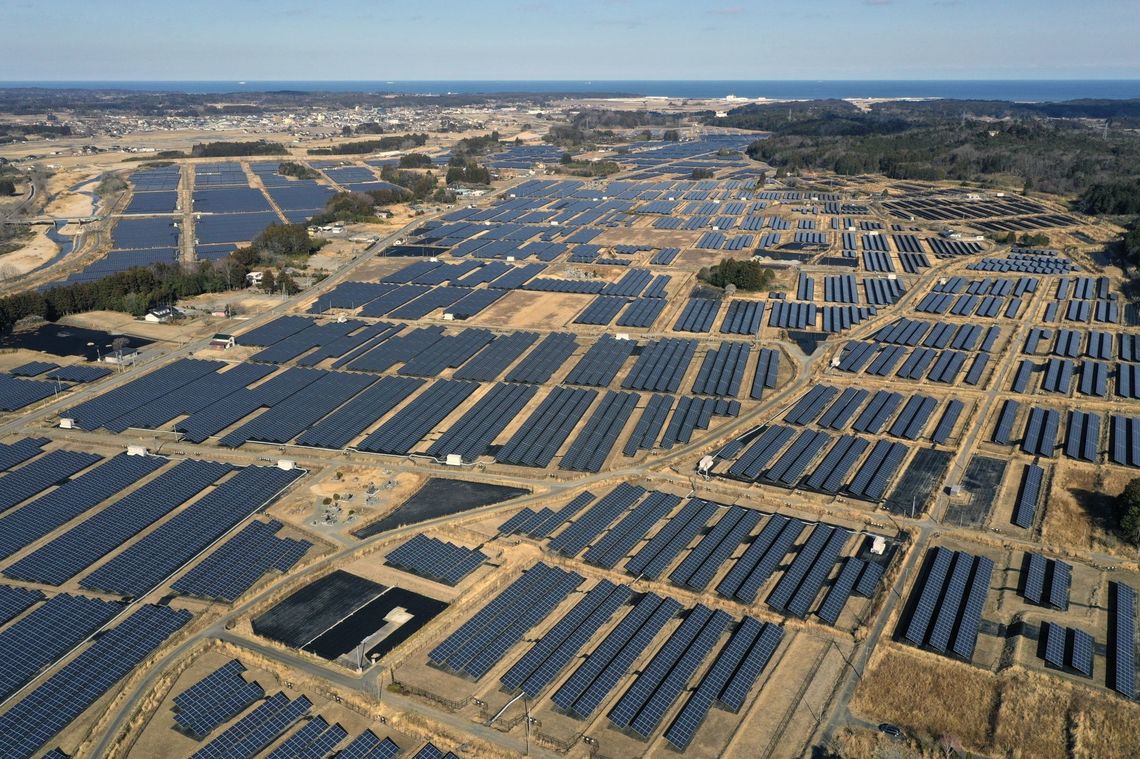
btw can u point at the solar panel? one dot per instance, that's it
(585, 689)
(436, 559)
(99, 534)
(240, 562)
(142, 566)
(1081, 657)
(60, 699)
(550, 655)
(256, 730)
(735, 693)
(215, 699)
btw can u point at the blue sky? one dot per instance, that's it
(586, 39)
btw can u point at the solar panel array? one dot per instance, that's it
(214, 700)
(947, 602)
(240, 562)
(642, 707)
(47, 634)
(101, 533)
(256, 730)
(730, 678)
(479, 643)
(146, 563)
(539, 666)
(1122, 638)
(436, 559)
(55, 703)
(583, 692)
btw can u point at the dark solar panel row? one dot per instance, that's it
(53, 468)
(95, 413)
(477, 645)
(744, 317)
(51, 510)
(414, 421)
(547, 428)
(189, 398)
(1040, 436)
(255, 731)
(16, 392)
(801, 581)
(60, 699)
(593, 680)
(436, 559)
(767, 372)
(1029, 493)
(295, 414)
(88, 541)
(643, 705)
(597, 518)
(314, 740)
(729, 679)
(589, 450)
(544, 360)
(47, 634)
(539, 666)
(649, 425)
(13, 454)
(240, 562)
(660, 551)
(787, 315)
(697, 569)
(214, 700)
(602, 362)
(878, 471)
(722, 370)
(630, 530)
(761, 451)
(472, 434)
(142, 566)
(1122, 637)
(698, 316)
(950, 598)
(692, 414)
(661, 365)
(339, 428)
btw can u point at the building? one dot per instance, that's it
(160, 315)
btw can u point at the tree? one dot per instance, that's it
(566, 159)
(268, 284)
(671, 135)
(7, 187)
(1128, 511)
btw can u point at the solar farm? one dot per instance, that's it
(517, 480)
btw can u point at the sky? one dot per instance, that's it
(376, 40)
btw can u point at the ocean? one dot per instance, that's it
(1026, 90)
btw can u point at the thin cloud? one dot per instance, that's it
(732, 10)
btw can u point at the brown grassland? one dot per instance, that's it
(1016, 713)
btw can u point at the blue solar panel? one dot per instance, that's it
(60, 699)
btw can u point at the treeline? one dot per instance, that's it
(466, 171)
(588, 168)
(1112, 199)
(140, 289)
(989, 143)
(598, 118)
(297, 170)
(744, 275)
(477, 146)
(224, 149)
(1040, 156)
(360, 147)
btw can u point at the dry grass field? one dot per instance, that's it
(929, 695)
(1016, 714)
